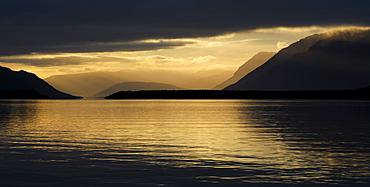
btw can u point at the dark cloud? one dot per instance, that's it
(46, 62)
(63, 60)
(70, 26)
(71, 46)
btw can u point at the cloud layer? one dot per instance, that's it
(118, 25)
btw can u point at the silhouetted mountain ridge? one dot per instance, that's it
(22, 80)
(334, 61)
(253, 63)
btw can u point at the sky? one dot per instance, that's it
(51, 37)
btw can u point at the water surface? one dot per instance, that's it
(184, 142)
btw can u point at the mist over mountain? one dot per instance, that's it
(22, 80)
(136, 86)
(208, 82)
(88, 84)
(253, 63)
(330, 61)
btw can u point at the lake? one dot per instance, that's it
(184, 142)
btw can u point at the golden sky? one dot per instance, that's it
(65, 37)
(212, 54)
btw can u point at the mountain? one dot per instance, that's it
(331, 61)
(88, 84)
(253, 63)
(136, 86)
(208, 82)
(22, 80)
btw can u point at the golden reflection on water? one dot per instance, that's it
(270, 136)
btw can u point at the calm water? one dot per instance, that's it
(184, 142)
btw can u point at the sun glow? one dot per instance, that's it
(226, 52)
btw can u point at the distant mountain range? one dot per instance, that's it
(253, 63)
(88, 84)
(22, 80)
(135, 86)
(330, 61)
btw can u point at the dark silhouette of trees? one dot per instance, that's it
(358, 94)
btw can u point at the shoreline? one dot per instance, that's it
(358, 94)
